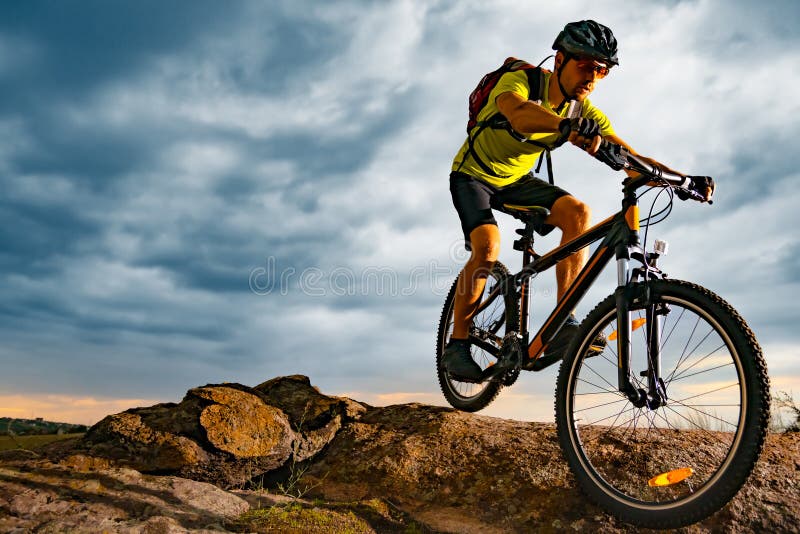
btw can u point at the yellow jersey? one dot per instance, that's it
(509, 158)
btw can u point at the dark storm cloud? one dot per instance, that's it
(30, 235)
(107, 42)
(788, 261)
(82, 44)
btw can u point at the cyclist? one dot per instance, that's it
(496, 164)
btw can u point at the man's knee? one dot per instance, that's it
(569, 213)
(485, 242)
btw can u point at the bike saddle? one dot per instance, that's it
(528, 214)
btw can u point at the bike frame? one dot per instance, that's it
(620, 239)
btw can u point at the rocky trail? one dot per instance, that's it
(283, 457)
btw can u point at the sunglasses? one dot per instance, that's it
(589, 65)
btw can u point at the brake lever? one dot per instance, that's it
(692, 194)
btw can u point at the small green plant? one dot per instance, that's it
(785, 414)
(294, 486)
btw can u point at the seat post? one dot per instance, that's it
(525, 244)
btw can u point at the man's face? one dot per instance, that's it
(579, 75)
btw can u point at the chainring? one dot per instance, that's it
(511, 353)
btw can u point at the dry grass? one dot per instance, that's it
(31, 442)
(785, 414)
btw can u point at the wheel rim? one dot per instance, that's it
(623, 447)
(492, 320)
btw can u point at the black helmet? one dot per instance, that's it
(588, 38)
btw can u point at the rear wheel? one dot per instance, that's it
(486, 333)
(675, 464)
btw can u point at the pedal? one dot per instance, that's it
(494, 371)
(457, 378)
(594, 350)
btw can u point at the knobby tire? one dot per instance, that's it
(475, 397)
(589, 440)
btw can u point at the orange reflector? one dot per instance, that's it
(636, 323)
(671, 477)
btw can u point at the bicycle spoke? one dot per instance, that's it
(708, 392)
(601, 405)
(614, 391)
(673, 376)
(606, 418)
(701, 372)
(669, 425)
(678, 320)
(689, 355)
(599, 375)
(708, 414)
(700, 428)
(683, 353)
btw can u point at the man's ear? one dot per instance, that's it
(559, 59)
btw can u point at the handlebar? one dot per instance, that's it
(618, 157)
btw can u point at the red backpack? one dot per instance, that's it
(480, 95)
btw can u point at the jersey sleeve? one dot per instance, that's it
(515, 82)
(589, 111)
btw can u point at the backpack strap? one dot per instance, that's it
(498, 121)
(535, 84)
(573, 112)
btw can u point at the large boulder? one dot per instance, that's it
(227, 434)
(314, 416)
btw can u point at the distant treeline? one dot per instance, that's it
(32, 427)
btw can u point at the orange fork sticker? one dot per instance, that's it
(636, 323)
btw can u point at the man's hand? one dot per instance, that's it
(703, 185)
(581, 132)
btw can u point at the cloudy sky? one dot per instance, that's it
(199, 192)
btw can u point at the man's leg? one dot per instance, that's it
(572, 217)
(457, 357)
(485, 241)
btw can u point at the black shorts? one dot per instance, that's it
(473, 199)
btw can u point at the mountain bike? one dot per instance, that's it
(664, 424)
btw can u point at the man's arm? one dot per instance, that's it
(701, 184)
(618, 141)
(527, 118)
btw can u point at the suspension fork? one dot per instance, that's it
(655, 385)
(628, 292)
(623, 296)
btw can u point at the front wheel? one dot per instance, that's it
(669, 465)
(498, 315)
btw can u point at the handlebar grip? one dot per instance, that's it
(613, 155)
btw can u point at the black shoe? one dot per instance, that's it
(560, 344)
(458, 362)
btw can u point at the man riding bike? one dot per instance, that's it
(494, 164)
